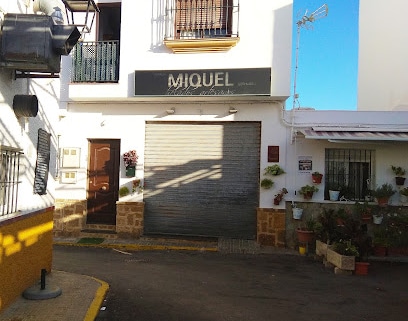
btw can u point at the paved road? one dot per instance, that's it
(203, 286)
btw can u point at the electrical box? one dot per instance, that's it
(70, 157)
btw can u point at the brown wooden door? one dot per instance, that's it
(103, 181)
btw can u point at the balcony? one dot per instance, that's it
(95, 62)
(202, 25)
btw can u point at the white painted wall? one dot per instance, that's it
(383, 52)
(265, 29)
(126, 121)
(23, 132)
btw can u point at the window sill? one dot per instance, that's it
(201, 45)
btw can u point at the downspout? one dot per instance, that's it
(52, 8)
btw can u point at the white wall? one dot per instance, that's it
(265, 30)
(22, 132)
(127, 122)
(383, 52)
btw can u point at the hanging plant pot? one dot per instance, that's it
(377, 219)
(317, 178)
(297, 213)
(130, 171)
(399, 180)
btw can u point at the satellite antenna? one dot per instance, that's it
(306, 22)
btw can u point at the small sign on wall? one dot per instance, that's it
(305, 164)
(273, 154)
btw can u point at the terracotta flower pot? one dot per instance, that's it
(317, 179)
(305, 236)
(361, 268)
(380, 250)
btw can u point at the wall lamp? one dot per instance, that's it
(233, 110)
(171, 111)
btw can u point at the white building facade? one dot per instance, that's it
(201, 102)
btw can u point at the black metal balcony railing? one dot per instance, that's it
(95, 61)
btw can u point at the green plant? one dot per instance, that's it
(404, 191)
(308, 189)
(346, 247)
(266, 183)
(123, 191)
(385, 190)
(317, 174)
(398, 170)
(362, 209)
(279, 196)
(381, 236)
(274, 170)
(311, 224)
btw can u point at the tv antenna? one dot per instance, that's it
(306, 22)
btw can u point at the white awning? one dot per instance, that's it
(355, 135)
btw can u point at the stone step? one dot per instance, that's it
(107, 234)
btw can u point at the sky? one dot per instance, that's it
(326, 77)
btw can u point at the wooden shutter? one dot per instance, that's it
(202, 14)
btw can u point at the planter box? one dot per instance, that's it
(321, 248)
(341, 261)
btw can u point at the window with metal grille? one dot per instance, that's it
(195, 19)
(350, 171)
(9, 179)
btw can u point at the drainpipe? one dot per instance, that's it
(52, 8)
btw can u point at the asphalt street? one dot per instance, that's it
(207, 286)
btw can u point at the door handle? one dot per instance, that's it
(103, 188)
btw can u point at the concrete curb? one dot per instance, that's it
(143, 247)
(96, 304)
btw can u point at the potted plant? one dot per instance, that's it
(399, 173)
(130, 160)
(383, 193)
(123, 191)
(279, 196)
(307, 191)
(378, 218)
(404, 195)
(334, 193)
(317, 177)
(306, 234)
(274, 170)
(343, 254)
(381, 241)
(266, 183)
(363, 211)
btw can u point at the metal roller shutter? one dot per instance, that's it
(202, 179)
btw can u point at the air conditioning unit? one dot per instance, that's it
(31, 42)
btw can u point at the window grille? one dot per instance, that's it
(95, 61)
(350, 171)
(195, 19)
(9, 179)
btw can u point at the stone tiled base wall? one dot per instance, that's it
(129, 219)
(69, 217)
(271, 227)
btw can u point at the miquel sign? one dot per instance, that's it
(211, 82)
